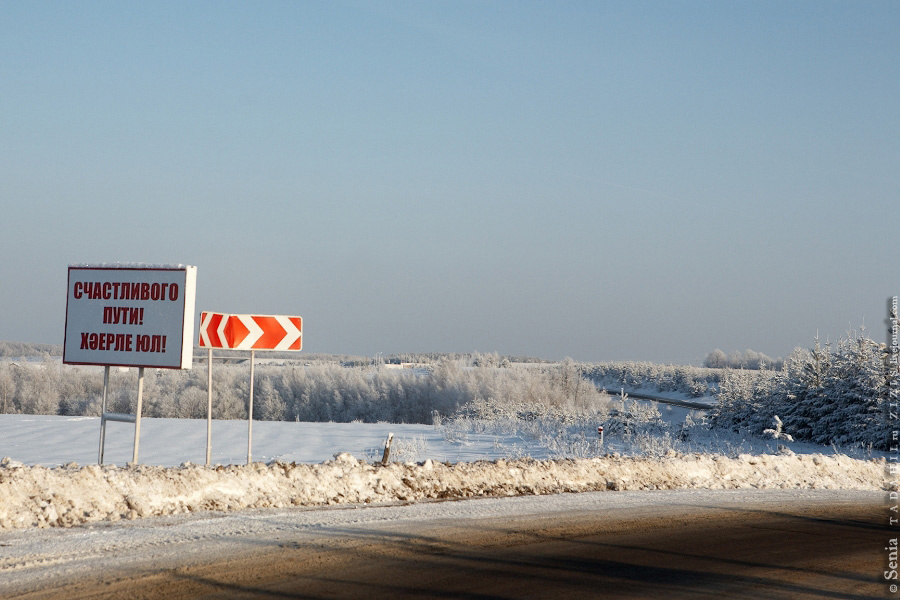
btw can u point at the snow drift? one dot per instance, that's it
(36, 496)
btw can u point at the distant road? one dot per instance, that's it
(673, 402)
(675, 544)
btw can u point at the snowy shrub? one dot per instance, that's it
(412, 450)
(777, 433)
(553, 405)
(654, 445)
(580, 444)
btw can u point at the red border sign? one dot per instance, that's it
(130, 316)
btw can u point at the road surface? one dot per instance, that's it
(668, 544)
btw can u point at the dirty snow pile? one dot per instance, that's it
(36, 496)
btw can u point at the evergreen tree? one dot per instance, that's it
(832, 394)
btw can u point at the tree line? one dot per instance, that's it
(833, 393)
(318, 392)
(748, 359)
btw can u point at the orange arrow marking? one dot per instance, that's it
(237, 331)
(272, 332)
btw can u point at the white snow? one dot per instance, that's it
(53, 440)
(127, 265)
(317, 464)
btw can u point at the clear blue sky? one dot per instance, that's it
(601, 180)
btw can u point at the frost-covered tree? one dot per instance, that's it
(37, 392)
(7, 390)
(191, 403)
(836, 393)
(269, 404)
(716, 359)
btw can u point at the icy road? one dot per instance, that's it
(642, 544)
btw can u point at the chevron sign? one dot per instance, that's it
(250, 332)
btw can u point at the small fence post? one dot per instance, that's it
(387, 449)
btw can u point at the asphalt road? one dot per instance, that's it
(609, 545)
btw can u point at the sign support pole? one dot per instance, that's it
(137, 416)
(250, 413)
(209, 407)
(103, 414)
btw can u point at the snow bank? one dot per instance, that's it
(36, 496)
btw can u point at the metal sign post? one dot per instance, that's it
(103, 414)
(122, 417)
(208, 406)
(137, 414)
(250, 416)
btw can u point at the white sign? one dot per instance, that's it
(131, 316)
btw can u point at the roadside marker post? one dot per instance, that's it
(385, 457)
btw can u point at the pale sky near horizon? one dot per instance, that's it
(601, 180)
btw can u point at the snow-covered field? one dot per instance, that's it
(51, 478)
(52, 441)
